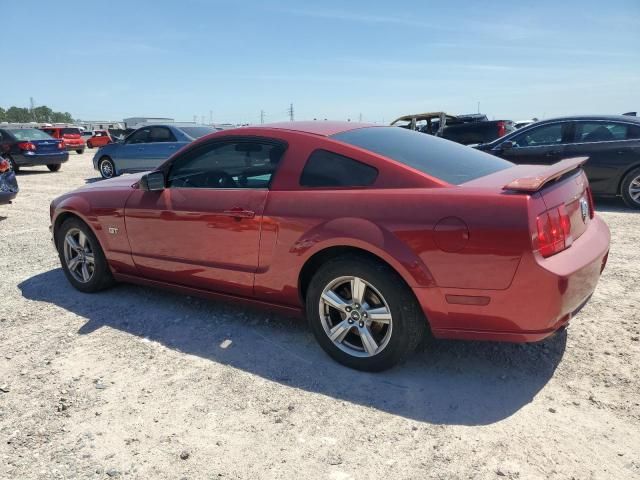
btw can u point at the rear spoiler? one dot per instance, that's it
(548, 174)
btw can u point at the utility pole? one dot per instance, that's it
(360, 118)
(261, 116)
(290, 111)
(33, 115)
(478, 107)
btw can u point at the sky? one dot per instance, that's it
(374, 60)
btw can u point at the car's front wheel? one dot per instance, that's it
(363, 314)
(106, 167)
(54, 167)
(14, 165)
(631, 188)
(81, 256)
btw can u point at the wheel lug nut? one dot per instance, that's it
(365, 315)
(348, 309)
(350, 320)
(357, 305)
(361, 324)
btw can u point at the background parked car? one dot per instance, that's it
(612, 144)
(8, 183)
(465, 129)
(146, 148)
(524, 123)
(99, 139)
(30, 147)
(71, 137)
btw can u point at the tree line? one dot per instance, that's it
(41, 114)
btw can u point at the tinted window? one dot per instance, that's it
(238, 164)
(328, 169)
(633, 132)
(434, 156)
(139, 136)
(23, 134)
(161, 134)
(197, 132)
(469, 133)
(71, 131)
(543, 135)
(588, 132)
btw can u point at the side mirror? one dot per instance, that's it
(508, 145)
(152, 182)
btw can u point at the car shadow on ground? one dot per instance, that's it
(93, 180)
(615, 205)
(448, 382)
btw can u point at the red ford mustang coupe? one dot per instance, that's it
(378, 234)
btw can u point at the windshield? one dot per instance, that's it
(197, 132)
(434, 156)
(30, 134)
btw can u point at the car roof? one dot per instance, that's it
(617, 118)
(315, 127)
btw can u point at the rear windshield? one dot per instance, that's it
(23, 134)
(75, 131)
(197, 132)
(434, 156)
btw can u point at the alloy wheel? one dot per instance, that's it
(79, 255)
(355, 316)
(634, 189)
(106, 168)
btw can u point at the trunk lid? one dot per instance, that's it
(46, 146)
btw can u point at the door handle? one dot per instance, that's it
(239, 212)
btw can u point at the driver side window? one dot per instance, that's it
(543, 135)
(139, 136)
(238, 164)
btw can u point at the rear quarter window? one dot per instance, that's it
(439, 158)
(328, 169)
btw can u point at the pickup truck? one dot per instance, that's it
(465, 129)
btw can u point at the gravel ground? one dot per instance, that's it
(136, 383)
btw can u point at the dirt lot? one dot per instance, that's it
(133, 382)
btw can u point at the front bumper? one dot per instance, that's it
(31, 160)
(542, 298)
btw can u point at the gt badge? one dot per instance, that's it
(113, 230)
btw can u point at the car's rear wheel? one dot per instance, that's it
(81, 151)
(106, 167)
(363, 314)
(89, 145)
(54, 167)
(82, 258)
(14, 165)
(631, 188)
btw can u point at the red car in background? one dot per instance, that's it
(378, 234)
(99, 139)
(71, 136)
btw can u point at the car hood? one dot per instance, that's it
(124, 181)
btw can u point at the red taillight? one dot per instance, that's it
(554, 231)
(28, 146)
(502, 129)
(592, 208)
(5, 166)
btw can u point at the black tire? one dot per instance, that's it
(101, 277)
(80, 152)
(54, 167)
(14, 165)
(105, 165)
(408, 321)
(631, 181)
(89, 146)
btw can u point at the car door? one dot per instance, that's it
(203, 229)
(131, 153)
(161, 144)
(539, 145)
(612, 147)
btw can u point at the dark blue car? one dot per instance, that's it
(8, 182)
(30, 147)
(146, 148)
